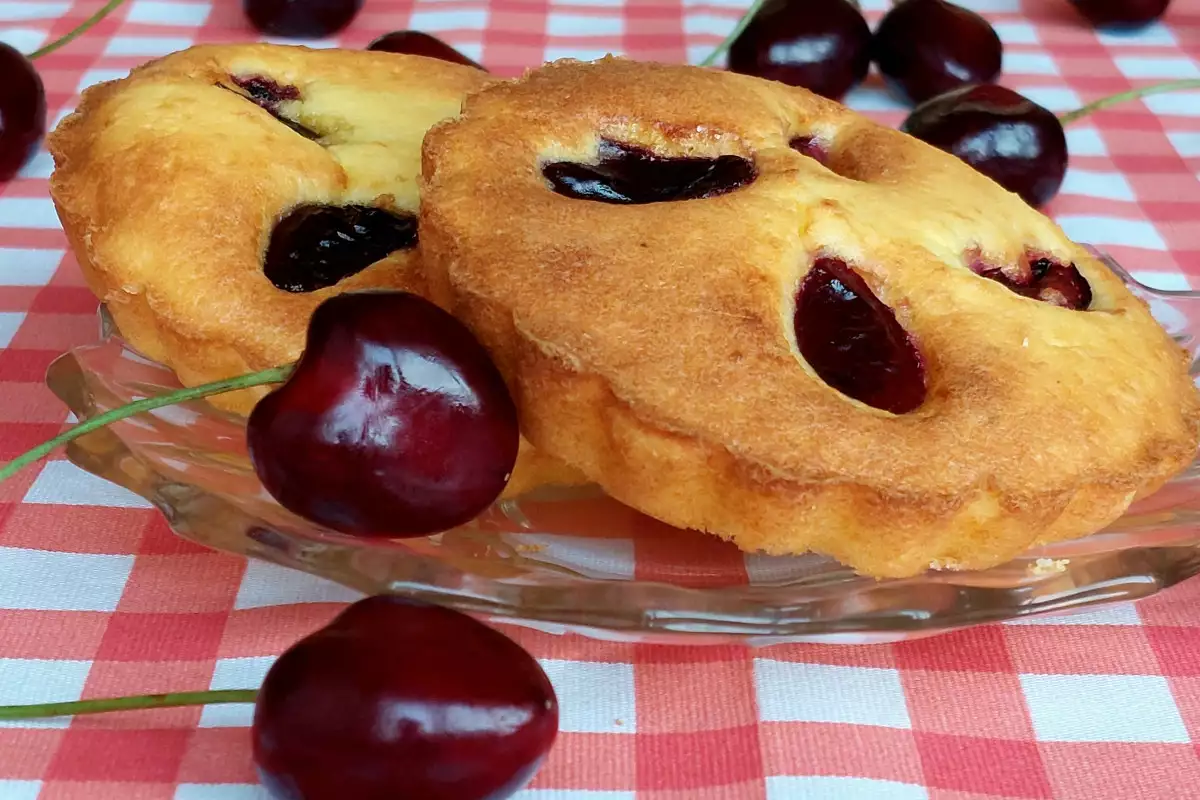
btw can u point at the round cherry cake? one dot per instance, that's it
(216, 196)
(744, 309)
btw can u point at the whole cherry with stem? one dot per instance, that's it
(23, 97)
(1014, 141)
(394, 699)
(393, 423)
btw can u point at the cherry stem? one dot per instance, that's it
(266, 376)
(1132, 94)
(105, 704)
(736, 32)
(81, 29)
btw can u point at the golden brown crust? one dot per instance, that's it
(652, 346)
(168, 187)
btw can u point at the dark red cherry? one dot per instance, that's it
(416, 43)
(632, 175)
(822, 46)
(398, 700)
(1008, 137)
(22, 111)
(315, 246)
(1121, 14)
(854, 342)
(926, 47)
(394, 423)
(1042, 279)
(301, 19)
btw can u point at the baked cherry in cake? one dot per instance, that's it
(216, 196)
(853, 343)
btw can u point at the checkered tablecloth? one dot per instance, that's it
(97, 597)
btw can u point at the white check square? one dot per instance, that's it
(10, 323)
(1085, 142)
(796, 692)
(160, 12)
(220, 791)
(1106, 185)
(44, 580)
(1157, 67)
(32, 680)
(20, 790)
(1103, 708)
(235, 673)
(836, 787)
(265, 584)
(146, 46)
(63, 483)
(593, 697)
(1029, 64)
(560, 23)
(1111, 230)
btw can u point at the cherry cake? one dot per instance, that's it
(744, 309)
(217, 196)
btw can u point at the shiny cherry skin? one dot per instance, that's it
(1006, 136)
(926, 47)
(395, 422)
(823, 47)
(1121, 14)
(854, 342)
(399, 700)
(301, 19)
(22, 111)
(416, 43)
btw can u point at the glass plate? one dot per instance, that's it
(575, 560)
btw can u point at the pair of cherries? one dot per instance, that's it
(922, 47)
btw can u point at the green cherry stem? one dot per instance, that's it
(266, 376)
(105, 704)
(736, 32)
(1132, 94)
(79, 30)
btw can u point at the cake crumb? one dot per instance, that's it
(1049, 566)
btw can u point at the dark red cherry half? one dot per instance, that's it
(926, 47)
(627, 174)
(824, 46)
(394, 423)
(1041, 279)
(22, 111)
(1121, 14)
(301, 19)
(398, 700)
(416, 43)
(1011, 139)
(316, 246)
(854, 342)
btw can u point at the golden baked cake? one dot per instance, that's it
(217, 195)
(744, 309)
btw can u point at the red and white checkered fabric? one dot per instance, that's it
(98, 598)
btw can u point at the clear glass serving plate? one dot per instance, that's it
(575, 560)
